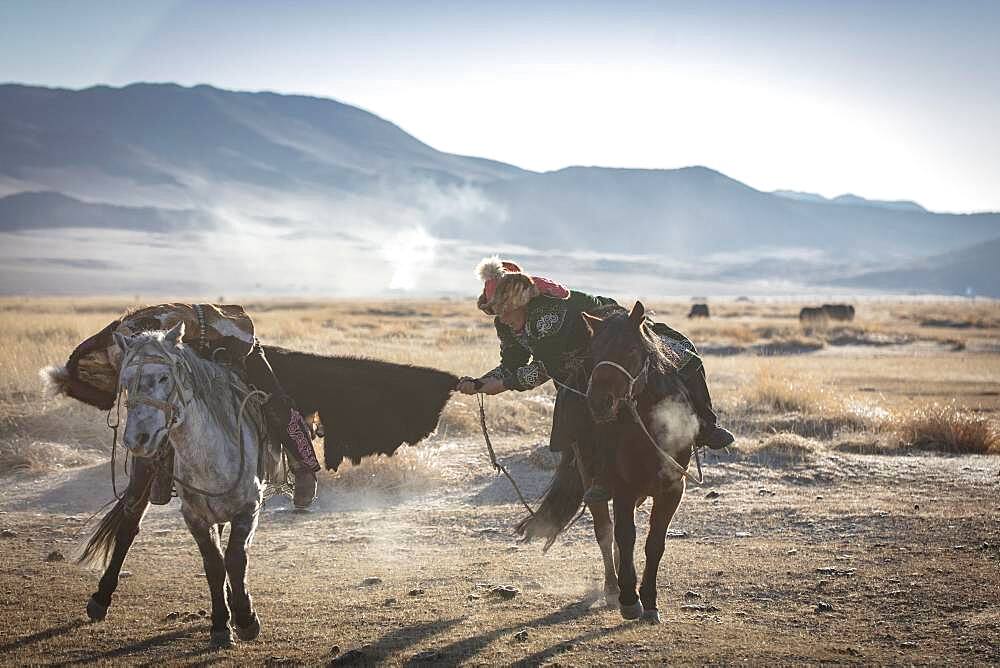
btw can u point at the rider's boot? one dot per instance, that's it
(289, 427)
(162, 487)
(710, 435)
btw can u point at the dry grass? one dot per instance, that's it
(946, 428)
(409, 470)
(813, 396)
(783, 448)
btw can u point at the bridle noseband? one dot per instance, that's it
(632, 394)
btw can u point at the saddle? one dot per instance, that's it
(222, 333)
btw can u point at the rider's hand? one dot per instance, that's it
(468, 385)
(492, 386)
(481, 386)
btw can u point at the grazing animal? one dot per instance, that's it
(841, 312)
(698, 311)
(648, 433)
(812, 316)
(214, 423)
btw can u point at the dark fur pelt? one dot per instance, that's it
(560, 504)
(367, 407)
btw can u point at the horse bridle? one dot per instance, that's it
(135, 397)
(631, 395)
(632, 399)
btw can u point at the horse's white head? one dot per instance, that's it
(150, 376)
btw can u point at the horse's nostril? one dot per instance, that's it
(143, 437)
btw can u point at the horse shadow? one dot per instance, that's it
(465, 649)
(41, 636)
(141, 647)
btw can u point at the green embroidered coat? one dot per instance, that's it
(553, 340)
(550, 343)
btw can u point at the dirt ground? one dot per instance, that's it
(802, 546)
(905, 550)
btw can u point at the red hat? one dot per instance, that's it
(506, 287)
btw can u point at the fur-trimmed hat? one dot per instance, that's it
(506, 287)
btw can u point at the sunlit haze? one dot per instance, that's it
(887, 100)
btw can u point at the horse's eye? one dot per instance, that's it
(162, 379)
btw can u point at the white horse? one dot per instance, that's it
(213, 422)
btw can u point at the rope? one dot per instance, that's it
(667, 457)
(243, 455)
(497, 466)
(571, 389)
(633, 405)
(170, 414)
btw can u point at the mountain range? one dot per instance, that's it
(116, 189)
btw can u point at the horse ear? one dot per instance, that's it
(592, 322)
(637, 314)
(175, 334)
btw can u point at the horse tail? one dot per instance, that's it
(101, 544)
(559, 505)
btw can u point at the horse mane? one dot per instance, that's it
(662, 359)
(213, 385)
(367, 406)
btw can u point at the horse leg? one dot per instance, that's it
(628, 600)
(118, 530)
(241, 531)
(604, 531)
(207, 537)
(664, 506)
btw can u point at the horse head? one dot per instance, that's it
(621, 359)
(150, 376)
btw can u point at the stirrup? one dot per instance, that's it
(306, 486)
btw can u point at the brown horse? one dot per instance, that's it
(646, 435)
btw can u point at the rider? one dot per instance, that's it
(539, 326)
(218, 332)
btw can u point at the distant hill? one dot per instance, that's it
(850, 200)
(290, 181)
(163, 134)
(976, 268)
(49, 210)
(698, 211)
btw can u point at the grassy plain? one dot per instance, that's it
(837, 492)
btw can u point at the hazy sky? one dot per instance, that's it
(891, 100)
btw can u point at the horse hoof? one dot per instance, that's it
(651, 616)
(96, 611)
(222, 639)
(633, 611)
(250, 631)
